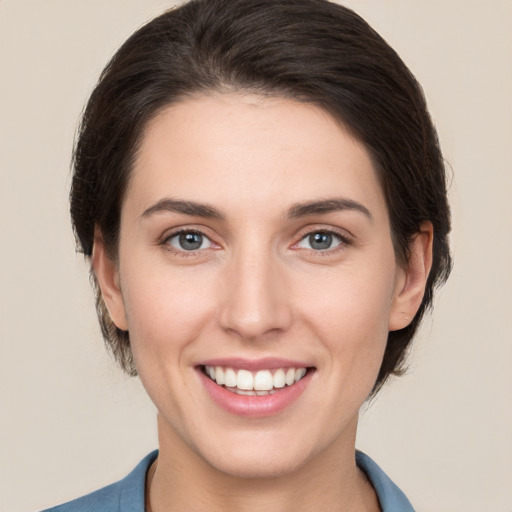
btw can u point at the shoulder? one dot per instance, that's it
(127, 495)
(391, 498)
(101, 500)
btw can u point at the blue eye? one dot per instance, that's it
(320, 241)
(189, 241)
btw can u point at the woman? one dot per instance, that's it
(260, 191)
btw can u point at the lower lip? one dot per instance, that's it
(254, 406)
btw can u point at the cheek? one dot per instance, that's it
(166, 313)
(349, 310)
(165, 309)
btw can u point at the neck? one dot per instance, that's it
(181, 480)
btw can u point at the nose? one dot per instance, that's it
(255, 297)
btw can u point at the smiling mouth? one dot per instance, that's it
(259, 383)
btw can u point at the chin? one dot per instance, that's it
(260, 465)
(262, 455)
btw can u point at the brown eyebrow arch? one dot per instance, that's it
(336, 204)
(184, 207)
(298, 210)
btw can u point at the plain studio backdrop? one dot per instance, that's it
(72, 422)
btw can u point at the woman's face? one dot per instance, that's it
(255, 247)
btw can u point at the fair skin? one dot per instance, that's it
(255, 236)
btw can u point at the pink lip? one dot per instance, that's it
(267, 363)
(254, 406)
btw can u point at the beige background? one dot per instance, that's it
(71, 422)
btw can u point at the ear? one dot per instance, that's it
(107, 274)
(412, 280)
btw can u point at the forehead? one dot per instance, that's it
(250, 151)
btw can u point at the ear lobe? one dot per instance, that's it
(413, 280)
(107, 275)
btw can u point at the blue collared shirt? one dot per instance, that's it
(128, 494)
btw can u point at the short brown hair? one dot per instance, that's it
(309, 50)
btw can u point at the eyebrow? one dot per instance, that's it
(296, 211)
(336, 204)
(184, 207)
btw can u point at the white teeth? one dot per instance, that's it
(279, 379)
(251, 393)
(290, 376)
(299, 374)
(230, 378)
(219, 375)
(244, 392)
(244, 380)
(262, 382)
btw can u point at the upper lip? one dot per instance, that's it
(266, 363)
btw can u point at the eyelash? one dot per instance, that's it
(342, 237)
(165, 242)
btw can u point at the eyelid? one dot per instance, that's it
(343, 235)
(179, 233)
(345, 238)
(174, 232)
